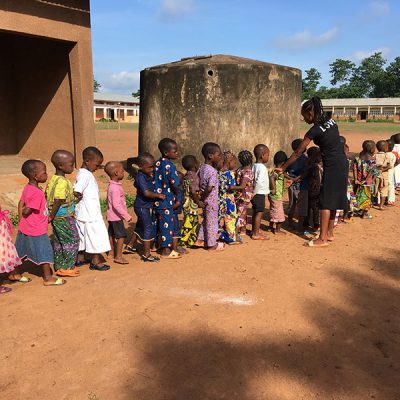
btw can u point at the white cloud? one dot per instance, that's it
(302, 40)
(376, 9)
(171, 10)
(361, 54)
(121, 82)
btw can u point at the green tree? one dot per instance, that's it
(372, 76)
(136, 94)
(341, 71)
(393, 78)
(310, 83)
(96, 86)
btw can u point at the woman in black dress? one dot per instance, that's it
(325, 134)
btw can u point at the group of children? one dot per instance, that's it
(223, 193)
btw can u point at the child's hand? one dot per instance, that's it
(78, 195)
(202, 204)
(161, 196)
(50, 220)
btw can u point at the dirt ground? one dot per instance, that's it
(267, 320)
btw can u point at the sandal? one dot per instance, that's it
(149, 258)
(129, 249)
(58, 282)
(98, 267)
(81, 263)
(173, 255)
(70, 273)
(220, 247)
(23, 279)
(311, 243)
(4, 289)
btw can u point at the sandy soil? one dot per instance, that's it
(265, 320)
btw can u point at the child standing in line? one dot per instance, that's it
(146, 223)
(364, 170)
(277, 213)
(117, 211)
(383, 164)
(9, 259)
(245, 184)
(93, 235)
(32, 242)
(167, 183)
(208, 178)
(61, 203)
(191, 201)
(261, 189)
(178, 209)
(396, 150)
(391, 184)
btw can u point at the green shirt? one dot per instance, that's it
(279, 186)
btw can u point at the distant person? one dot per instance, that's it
(384, 163)
(396, 151)
(93, 235)
(392, 184)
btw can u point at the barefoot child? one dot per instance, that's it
(32, 242)
(208, 177)
(61, 204)
(277, 214)
(261, 189)
(117, 211)
(191, 201)
(93, 235)
(383, 163)
(167, 183)
(145, 228)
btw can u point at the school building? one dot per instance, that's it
(116, 107)
(46, 77)
(363, 109)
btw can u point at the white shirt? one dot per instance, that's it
(88, 209)
(261, 179)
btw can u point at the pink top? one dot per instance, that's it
(116, 205)
(35, 224)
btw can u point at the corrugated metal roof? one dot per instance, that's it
(115, 98)
(364, 102)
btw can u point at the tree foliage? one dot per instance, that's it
(96, 86)
(371, 78)
(136, 94)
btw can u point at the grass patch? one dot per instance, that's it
(129, 199)
(116, 125)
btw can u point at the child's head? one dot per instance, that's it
(382, 145)
(280, 158)
(35, 170)
(245, 158)
(212, 154)
(296, 143)
(190, 163)
(396, 138)
(146, 161)
(92, 158)
(115, 170)
(63, 161)
(168, 148)
(261, 152)
(368, 147)
(346, 150)
(342, 140)
(229, 160)
(314, 154)
(390, 144)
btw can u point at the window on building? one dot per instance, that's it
(129, 113)
(99, 113)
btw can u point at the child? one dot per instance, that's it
(191, 202)
(391, 184)
(178, 209)
(315, 179)
(383, 163)
(167, 183)
(145, 228)
(396, 150)
(32, 242)
(61, 204)
(277, 214)
(208, 179)
(351, 197)
(117, 212)
(227, 214)
(93, 235)
(364, 169)
(245, 183)
(9, 260)
(261, 188)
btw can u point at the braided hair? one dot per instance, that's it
(315, 104)
(245, 158)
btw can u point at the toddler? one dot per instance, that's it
(277, 213)
(245, 182)
(61, 204)
(93, 235)
(191, 201)
(32, 242)
(208, 180)
(117, 211)
(383, 163)
(261, 189)
(167, 183)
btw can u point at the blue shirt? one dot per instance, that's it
(179, 197)
(166, 182)
(298, 168)
(143, 182)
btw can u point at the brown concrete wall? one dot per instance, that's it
(67, 21)
(236, 104)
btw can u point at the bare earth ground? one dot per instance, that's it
(265, 320)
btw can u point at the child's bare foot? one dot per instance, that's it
(259, 237)
(218, 247)
(317, 243)
(279, 232)
(121, 260)
(199, 243)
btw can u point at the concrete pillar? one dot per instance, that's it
(381, 110)
(369, 110)
(105, 112)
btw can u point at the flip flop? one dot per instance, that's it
(129, 249)
(23, 279)
(174, 255)
(4, 289)
(68, 273)
(121, 262)
(312, 244)
(149, 258)
(259, 238)
(220, 247)
(81, 263)
(58, 282)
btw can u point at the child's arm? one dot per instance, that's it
(56, 205)
(356, 181)
(153, 196)
(119, 205)
(20, 208)
(176, 205)
(272, 184)
(197, 200)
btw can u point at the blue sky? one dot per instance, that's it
(130, 35)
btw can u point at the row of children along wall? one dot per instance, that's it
(222, 192)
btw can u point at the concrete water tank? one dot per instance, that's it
(234, 101)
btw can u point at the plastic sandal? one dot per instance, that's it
(129, 249)
(174, 255)
(97, 267)
(58, 282)
(149, 258)
(4, 289)
(23, 279)
(311, 243)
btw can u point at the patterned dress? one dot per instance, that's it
(8, 254)
(244, 175)
(366, 170)
(227, 213)
(276, 212)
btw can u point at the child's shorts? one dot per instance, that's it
(302, 203)
(34, 248)
(258, 202)
(116, 229)
(177, 227)
(146, 223)
(93, 237)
